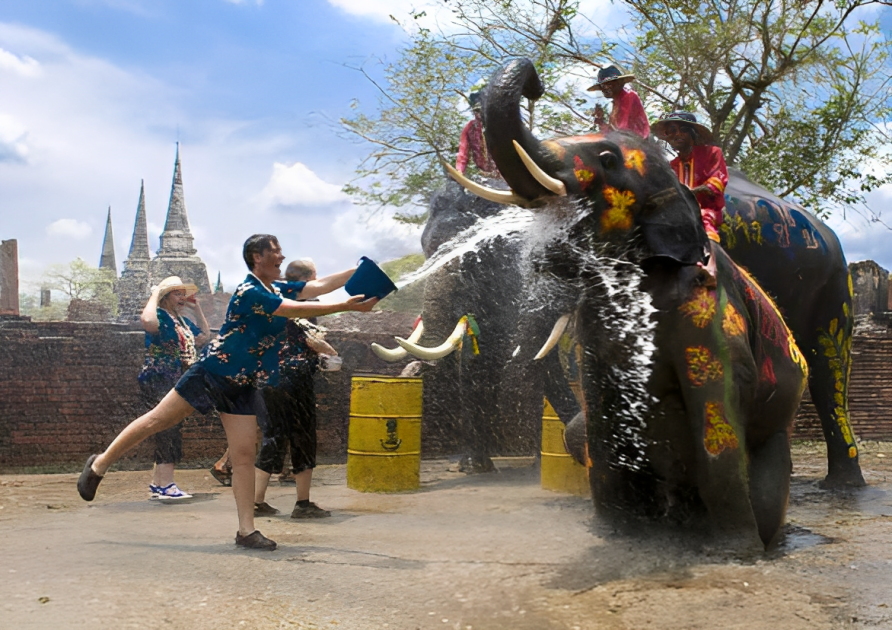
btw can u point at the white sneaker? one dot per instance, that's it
(168, 493)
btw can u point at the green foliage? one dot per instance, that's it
(422, 105)
(81, 281)
(30, 305)
(796, 91)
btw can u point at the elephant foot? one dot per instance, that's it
(473, 464)
(840, 480)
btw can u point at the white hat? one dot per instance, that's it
(173, 283)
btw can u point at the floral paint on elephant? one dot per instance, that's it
(837, 348)
(634, 159)
(718, 435)
(766, 221)
(701, 307)
(702, 366)
(618, 214)
(733, 323)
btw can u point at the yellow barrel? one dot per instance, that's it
(560, 472)
(384, 441)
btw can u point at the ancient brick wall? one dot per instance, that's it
(67, 388)
(870, 388)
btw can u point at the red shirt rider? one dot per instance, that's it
(472, 142)
(700, 165)
(628, 112)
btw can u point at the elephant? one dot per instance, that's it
(690, 383)
(492, 399)
(798, 260)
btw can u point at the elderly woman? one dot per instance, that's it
(171, 340)
(243, 357)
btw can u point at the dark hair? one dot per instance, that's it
(257, 244)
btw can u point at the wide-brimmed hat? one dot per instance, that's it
(610, 74)
(704, 134)
(173, 283)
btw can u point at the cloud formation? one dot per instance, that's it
(297, 185)
(22, 65)
(69, 228)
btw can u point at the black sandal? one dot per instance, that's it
(224, 477)
(88, 482)
(255, 540)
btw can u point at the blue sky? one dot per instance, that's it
(95, 93)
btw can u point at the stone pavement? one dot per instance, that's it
(478, 552)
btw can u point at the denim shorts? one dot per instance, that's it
(206, 392)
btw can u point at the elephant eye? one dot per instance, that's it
(608, 160)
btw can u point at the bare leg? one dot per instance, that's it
(241, 434)
(171, 410)
(162, 475)
(261, 482)
(302, 480)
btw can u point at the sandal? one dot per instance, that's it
(223, 476)
(264, 509)
(255, 540)
(88, 482)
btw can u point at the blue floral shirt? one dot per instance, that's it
(171, 350)
(246, 352)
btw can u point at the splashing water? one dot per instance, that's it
(512, 222)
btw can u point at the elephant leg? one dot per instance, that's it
(830, 361)
(770, 466)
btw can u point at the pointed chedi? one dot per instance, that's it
(107, 259)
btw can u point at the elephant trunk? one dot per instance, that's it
(504, 125)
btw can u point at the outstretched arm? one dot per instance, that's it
(291, 308)
(315, 288)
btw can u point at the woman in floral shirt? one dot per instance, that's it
(171, 341)
(243, 356)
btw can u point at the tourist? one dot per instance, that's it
(700, 165)
(627, 112)
(291, 407)
(171, 340)
(239, 361)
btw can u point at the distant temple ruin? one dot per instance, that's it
(176, 257)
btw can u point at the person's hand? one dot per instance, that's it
(705, 190)
(191, 300)
(360, 303)
(599, 115)
(154, 289)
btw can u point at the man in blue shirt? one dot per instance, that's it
(243, 357)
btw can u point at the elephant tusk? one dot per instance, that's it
(553, 184)
(490, 194)
(395, 354)
(559, 327)
(444, 349)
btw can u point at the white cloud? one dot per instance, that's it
(22, 65)
(383, 9)
(297, 185)
(12, 140)
(69, 228)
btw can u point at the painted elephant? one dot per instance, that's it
(491, 399)
(690, 387)
(799, 261)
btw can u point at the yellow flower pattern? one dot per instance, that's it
(634, 159)
(700, 308)
(618, 214)
(719, 435)
(702, 366)
(733, 323)
(837, 347)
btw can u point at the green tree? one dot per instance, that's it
(796, 91)
(422, 104)
(79, 280)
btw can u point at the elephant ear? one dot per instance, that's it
(671, 225)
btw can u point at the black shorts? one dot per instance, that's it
(206, 392)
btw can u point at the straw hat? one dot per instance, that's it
(609, 74)
(704, 134)
(173, 283)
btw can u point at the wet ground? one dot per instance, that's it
(487, 552)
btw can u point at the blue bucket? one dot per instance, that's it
(369, 280)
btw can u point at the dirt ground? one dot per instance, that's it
(478, 552)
